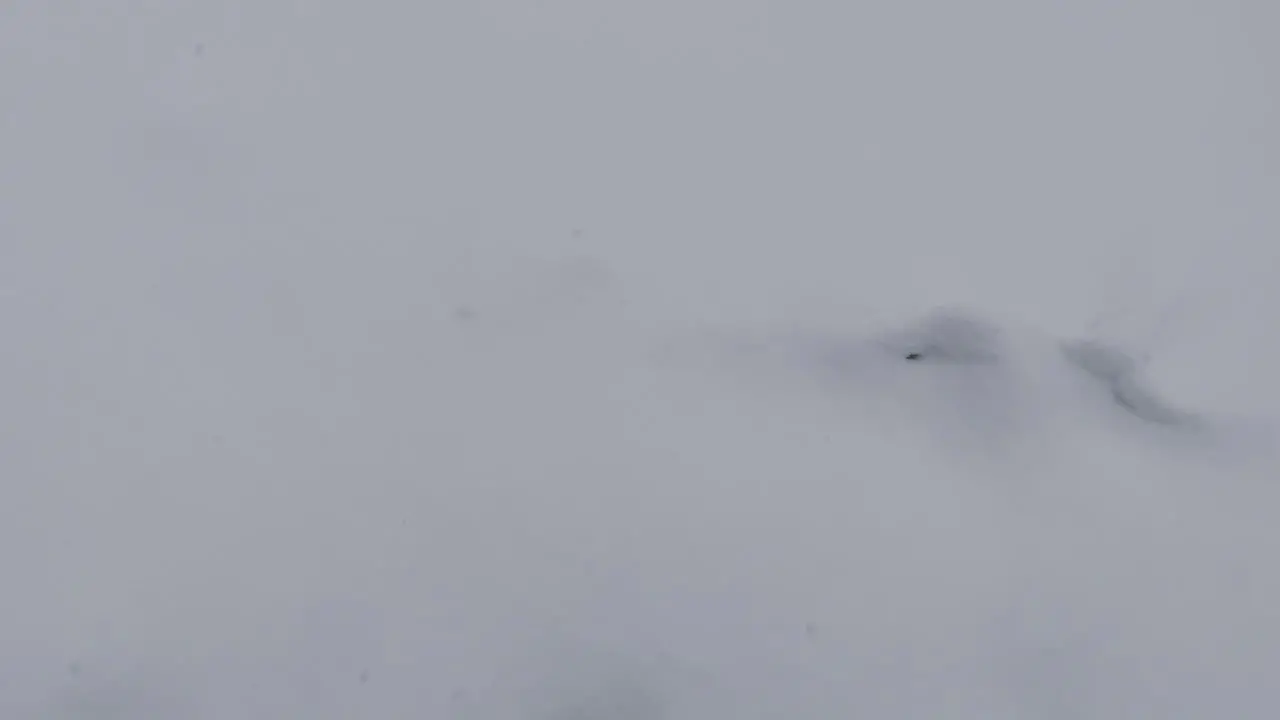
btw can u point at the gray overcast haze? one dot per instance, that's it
(501, 360)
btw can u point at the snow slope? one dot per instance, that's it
(487, 361)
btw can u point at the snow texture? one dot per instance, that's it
(664, 360)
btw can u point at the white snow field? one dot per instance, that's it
(662, 360)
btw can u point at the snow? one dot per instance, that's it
(490, 361)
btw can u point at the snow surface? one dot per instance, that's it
(547, 361)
